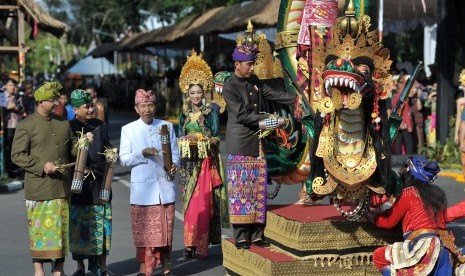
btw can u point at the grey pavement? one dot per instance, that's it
(15, 258)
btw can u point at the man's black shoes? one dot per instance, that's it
(242, 245)
(261, 243)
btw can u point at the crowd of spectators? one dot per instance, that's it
(418, 127)
(17, 102)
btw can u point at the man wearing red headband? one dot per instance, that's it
(152, 189)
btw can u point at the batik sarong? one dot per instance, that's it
(247, 180)
(152, 229)
(90, 230)
(48, 223)
(198, 205)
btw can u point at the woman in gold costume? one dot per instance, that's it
(200, 174)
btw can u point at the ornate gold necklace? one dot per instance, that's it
(195, 115)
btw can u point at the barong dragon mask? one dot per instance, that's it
(340, 70)
(340, 132)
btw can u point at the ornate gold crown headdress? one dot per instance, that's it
(196, 71)
(266, 66)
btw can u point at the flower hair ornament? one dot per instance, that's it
(423, 169)
(196, 71)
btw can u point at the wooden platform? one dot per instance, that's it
(309, 240)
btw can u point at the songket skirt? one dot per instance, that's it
(247, 181)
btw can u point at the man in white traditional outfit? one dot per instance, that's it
(152, 195)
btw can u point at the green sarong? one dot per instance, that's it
(48, 223)
(90, 230)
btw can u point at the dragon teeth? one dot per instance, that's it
(346, 82)
(351, 84)
(331, 81)
(341, 80)
(362, 86)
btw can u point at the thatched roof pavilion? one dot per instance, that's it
(35, 13)
(262, 13)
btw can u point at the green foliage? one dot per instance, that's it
(448, 155)
(39, 58)
(117, 17)
(46, 52)
(407, 45)
(170, 10)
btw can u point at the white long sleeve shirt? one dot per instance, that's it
(148, 183)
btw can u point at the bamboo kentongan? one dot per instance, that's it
(79, 169)
(111, 156)
(81, 159)
(166, 149)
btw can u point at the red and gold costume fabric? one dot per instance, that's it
(422, 250)
(199, 205)
(152, 230)
(202, 191)
(455, 212)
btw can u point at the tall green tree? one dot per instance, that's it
(170, 11)
(108, 19)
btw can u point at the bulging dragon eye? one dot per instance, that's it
(365, 70)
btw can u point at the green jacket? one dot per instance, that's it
(38, 140)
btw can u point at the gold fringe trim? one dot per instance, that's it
(326, 235)
(245, 262)
(347, 261)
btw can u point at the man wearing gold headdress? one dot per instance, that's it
(200, 180)
(42, 141)
(247, 171)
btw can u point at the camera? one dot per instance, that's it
(19, 102)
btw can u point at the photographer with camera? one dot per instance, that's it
(11, 116)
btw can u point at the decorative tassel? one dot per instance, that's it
(375, 116)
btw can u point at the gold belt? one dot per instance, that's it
(447, 240)
(416, 233)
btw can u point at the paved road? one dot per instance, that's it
(14, 253)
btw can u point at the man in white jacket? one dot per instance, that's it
(152, 195)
